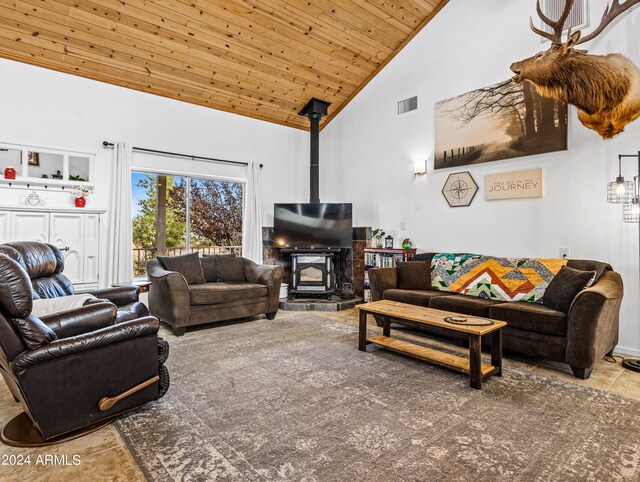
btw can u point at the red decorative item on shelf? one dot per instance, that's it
(9, 173)
(81, 202)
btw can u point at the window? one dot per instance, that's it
(174, 215)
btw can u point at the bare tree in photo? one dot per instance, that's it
(511, 119)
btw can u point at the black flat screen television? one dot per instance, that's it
(313, 226)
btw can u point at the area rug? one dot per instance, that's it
(293, 399)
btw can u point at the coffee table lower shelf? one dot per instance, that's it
(436, 357)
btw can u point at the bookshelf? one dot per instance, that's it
(383, 258)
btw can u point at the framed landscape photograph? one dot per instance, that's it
(501, 121)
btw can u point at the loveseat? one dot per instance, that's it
(578, 330)
(44, 263)
(191, 290)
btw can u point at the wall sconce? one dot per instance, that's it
(420, 167)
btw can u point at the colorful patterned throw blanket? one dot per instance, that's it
(503, 279)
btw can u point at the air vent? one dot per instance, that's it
(407, 105)
(578, 17)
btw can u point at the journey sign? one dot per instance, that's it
(513, 185)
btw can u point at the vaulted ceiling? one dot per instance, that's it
(259, 58)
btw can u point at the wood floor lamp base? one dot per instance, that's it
(20, 432)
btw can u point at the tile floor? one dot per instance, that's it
(104, 455)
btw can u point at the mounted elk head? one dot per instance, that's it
(604, 88)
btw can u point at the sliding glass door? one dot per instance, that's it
(174, 215)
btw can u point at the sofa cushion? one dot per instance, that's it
(589, 265)
(223, 267)
(531, 317)
(565, 286)
(414, 275)
(230, 268)
(188, 265)
(468, 305)
(209, 268)
(412, 297)
(489, 277)
(223, 292)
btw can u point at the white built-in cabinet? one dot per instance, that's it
(75, 232)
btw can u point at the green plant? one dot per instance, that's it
(377, 233)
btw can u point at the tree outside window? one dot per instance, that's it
(161, 225)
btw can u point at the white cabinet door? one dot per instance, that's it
(67, 234)
(91, 248)
(29, 226)
(5, 223)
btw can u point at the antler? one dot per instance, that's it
(608, 16)
(558, 25)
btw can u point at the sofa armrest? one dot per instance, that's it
(88, 318)
(169, 297)
(119, 295)
(381, 279)
(81, 343)
(593, 321)
(268, 275)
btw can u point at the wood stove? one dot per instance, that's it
(313, 273)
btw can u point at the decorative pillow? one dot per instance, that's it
(414, 275)
(488, 277)
(566, 286)
(188, 265)
(209, 268)
(589, 265)
(230, 268)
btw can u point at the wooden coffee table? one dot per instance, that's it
(412, 315)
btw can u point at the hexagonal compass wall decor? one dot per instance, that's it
(459, 189)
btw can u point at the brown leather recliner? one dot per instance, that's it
(44, 263)
(74, 371)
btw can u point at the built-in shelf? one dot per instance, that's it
(40, 184)
(36, 167)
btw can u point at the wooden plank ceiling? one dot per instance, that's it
(259, 58)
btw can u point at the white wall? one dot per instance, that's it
(44, 108)
(368, 152)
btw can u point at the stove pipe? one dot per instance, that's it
(315, 110)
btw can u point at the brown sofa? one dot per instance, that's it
(188, 290)
(580, 337)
